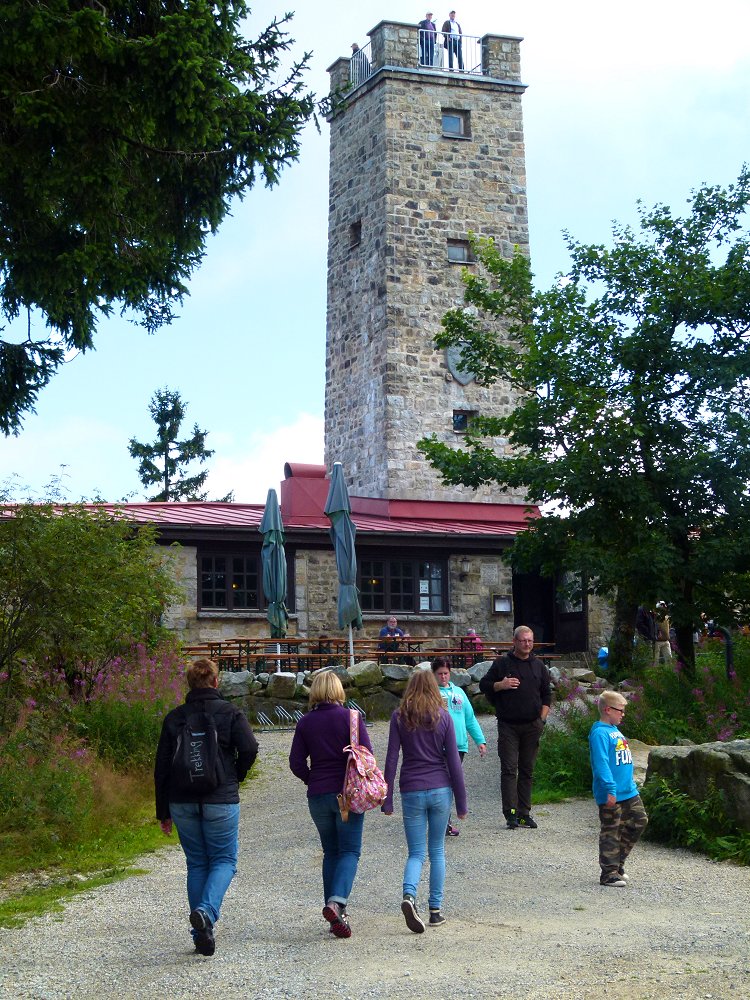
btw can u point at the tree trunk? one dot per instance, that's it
(621, 642)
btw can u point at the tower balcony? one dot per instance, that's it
(397, 46)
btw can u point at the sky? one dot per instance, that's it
(645, 100)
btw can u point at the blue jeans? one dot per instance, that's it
(208, 835)
(341, 843)
(426, 816)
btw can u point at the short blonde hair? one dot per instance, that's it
(611, 699)
(202, 673)
(326, 687)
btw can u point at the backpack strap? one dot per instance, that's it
(353, 728)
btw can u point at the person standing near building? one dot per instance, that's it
(464, 721)
(207, 824)
(663, 647)
(518, 686)
(452, 40)
(427, 33)
(621, 813)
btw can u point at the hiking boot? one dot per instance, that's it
(413, 920)
(511, 819)
(436, 918)
(204, 942)
(200, 920)
(614, 881)
(452, 831)
(335, 914)
(527, 821)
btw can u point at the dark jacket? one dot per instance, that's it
(524, 703)
(237, 745)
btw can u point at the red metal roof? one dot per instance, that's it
(303, 496)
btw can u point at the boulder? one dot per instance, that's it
(342, 673)
(366, 674)
(461, 678)
(580, 675)
(378, 703)
(395, 687)
(235, 684)
(396, 671)
(262, 677)
(693, 768)
(282, 685)
(478, 671)
(480, 705)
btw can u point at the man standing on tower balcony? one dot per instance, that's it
(427, 32)
(517, 685)
(452, 40)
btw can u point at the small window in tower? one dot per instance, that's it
(461, 420)
(355, 234)
(460, 252)
(456, 123)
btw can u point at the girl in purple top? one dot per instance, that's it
(430, 776)
(321, 736)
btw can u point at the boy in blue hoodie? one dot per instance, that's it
(621, 814)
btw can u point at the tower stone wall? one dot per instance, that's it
(400, 190)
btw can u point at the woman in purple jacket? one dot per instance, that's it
(430, 776)
(321, 736)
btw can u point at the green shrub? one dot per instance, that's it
(563, 768)
(679, 821)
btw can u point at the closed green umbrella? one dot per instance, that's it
(273, 559)
(343, 534)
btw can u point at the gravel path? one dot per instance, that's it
(526, 915)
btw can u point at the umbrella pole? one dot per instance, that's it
(278, 653)
(351, 646)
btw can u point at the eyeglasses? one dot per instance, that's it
(613, 708)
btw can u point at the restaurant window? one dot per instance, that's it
(414, 586)
(232, 581)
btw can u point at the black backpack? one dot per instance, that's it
(196, 764)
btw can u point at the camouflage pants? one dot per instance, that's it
(621, 827)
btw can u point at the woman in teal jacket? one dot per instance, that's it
(464, 720)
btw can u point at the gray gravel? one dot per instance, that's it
(526, 915)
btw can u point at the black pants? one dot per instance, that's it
(517, 748)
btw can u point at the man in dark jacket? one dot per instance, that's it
(517, 685)
(207, 824)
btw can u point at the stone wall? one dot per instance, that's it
(399, 190)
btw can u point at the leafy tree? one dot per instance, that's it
(77, 587)
(633, 427)
(160, 462)
(125, 130)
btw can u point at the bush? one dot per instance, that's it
(563, 768)
(679, 821)
(122, 717)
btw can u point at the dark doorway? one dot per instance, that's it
(533, 605)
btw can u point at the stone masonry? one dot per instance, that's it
(400, 189)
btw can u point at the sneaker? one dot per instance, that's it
(452, 831)
(436, 918)
(413, 920)
(623, 874)
(527, 821)
(613, 881)
(336, 917)
(512, 819)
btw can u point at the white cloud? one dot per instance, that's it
(259, 464)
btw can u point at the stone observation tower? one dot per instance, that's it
(421, 155)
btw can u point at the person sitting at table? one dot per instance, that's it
(474, 643)
(390, 639)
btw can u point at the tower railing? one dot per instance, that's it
(457, 53)
(360, 65)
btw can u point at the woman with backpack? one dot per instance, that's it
(320, 738)
(430, 776)
(205, 750)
